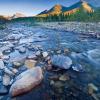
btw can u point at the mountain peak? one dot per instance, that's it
(58, 9)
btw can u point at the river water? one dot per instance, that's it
(84, 50)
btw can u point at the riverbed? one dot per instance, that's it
(82, 49)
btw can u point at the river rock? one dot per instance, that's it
(7, 71)
(30, 63)
(3, 89)
(6, 80)
(94, 55)
(26, 81)
(32, 56)
(45, 54)
(64, 77)
(78, 68)
(1, 54)
(1, 64)
(38, 53)
(22, 50)
(61, 61)
(92, 88)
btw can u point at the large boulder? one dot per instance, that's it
(26, 81)
(61, 61)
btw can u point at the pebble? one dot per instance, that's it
(38, 53)
(92, 88)
(22, 50)
(1, 64)
(6, 80)
(30, 63)
(45, 54)
(64, 77)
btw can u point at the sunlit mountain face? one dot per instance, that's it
(58, 9)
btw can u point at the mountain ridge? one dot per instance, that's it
(58, 9)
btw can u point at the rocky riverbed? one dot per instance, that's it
(49, 62)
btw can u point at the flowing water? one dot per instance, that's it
(80, 47)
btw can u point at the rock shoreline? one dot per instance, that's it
(91, 28)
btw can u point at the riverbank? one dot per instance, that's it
(92, 28)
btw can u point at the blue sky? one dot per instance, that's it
(33, 7)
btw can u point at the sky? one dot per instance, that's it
(33, 7)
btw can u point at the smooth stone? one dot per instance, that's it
(3, 89)
(92, 88)
(38, 53)
(30, 63)
(61, 61)
(78, 68)
(32, 56)
(7, 71)
(6, 80)
(5, 57)
(45, 54)
(1, 54)
(1, 64)
(22, 50)
(26, 81)
(17, 64)
(94, 55)
(59, 84)
(64, 77)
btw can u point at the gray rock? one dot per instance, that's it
(6, 80)
(94, 55)
(7, 71)
(45, 54)
(22, 50)
(1, 64)
(3, 89)
(78, 68)
(61, 61)
(38, 53)
(26, 81)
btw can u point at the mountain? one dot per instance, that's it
(17, 15)
(58, 9)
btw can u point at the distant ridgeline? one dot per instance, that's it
(80, 11)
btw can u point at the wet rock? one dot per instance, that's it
(5, 57)
(26, 81)
(59, 84)
(59, 52)
(66, 51)
(92, 88)
(22, 50)
(45, 54)
(1, 64)
(94, 55)
(49, 67)
(1, 54)
(17, 64)
(38, 53)
(7, 71)
(32, 56)
(30, 63)
(3, 89)
(64, 77)
(6, 80)
(61, 61)
(78, 68)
